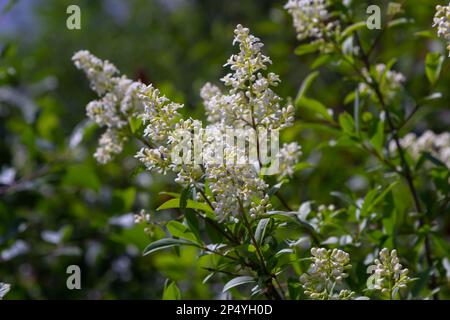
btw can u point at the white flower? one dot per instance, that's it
(155, 159)
(110, 144)
(248, 104)
(441, 20)
(250, 101)
(326, 273)
(390, 82)
(142, 217)
(438, 145)
(311, 19)
(390, 276)
(4, 289)
(288, 157)
(119, 101)
(235, 183)
(160, 116)
(99, 73)
(104, 112)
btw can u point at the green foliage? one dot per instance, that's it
(352, 189)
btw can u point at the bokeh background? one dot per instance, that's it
(58, 207)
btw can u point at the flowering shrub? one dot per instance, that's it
(315, 166)
(230, 208)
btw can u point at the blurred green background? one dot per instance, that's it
(58, 207)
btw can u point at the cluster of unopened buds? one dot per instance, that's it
(442, 22)
(390, 276)
(142, 217)
(325, 275)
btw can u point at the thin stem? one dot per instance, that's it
(406, 172)
(276, 295)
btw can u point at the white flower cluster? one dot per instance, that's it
(118, 102)
(390, 276)
(250, 101)
(442, 22)
(390, 82)
(99, 72)
(311, 19)
(121, 100)
(438, 145)
(142, 217)
(4, 289)
(249, 104)
(288, 157)
(326, 273)
(317, 218)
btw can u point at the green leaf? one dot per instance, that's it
(302, 166)
(261, 230)
(307, 48)
(321, 60)
(172, 194)
(193, 223)
(398, 22)
(135, 124)
(315, 106)
(191, 204)
(352, 28)
(167, 243)
(179, 230)
(350, 97)
(433, 66)
(275, 188)
(209, 276)
(425, 34)
(292, 216)
(305, 85)
(171, 291)
(377, 139)
(237, 282)
(346, 123)
(374, 197)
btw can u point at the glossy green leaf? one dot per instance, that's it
(171, 291)
(167, 243)
(238, 281)
(305, 85)
(433, 66)
(179, 230)
(191, 204)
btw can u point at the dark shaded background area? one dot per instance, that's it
(58, 207)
